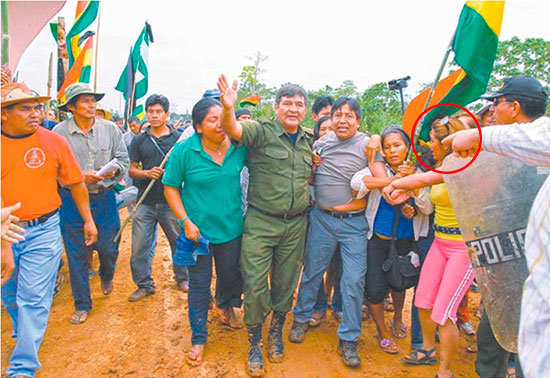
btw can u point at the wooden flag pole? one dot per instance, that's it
(440, 71)
(97, 45)
(432, 90)
(50, 73)
(147, 190)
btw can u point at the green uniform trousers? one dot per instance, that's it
(268, 241)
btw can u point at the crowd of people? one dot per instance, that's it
(269, 203)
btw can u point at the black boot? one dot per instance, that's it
(275, 346)
(255, 363)
(348, 351)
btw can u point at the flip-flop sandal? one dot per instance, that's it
(79, 317)
(414, 359)
(388, 346)
(400, 333)
(194, 358)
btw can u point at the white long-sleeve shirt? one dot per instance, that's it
(530, 143)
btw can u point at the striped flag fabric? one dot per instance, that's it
(475, 47)
(418, 104)
(81, 69)
(86, 13)
(251, 100)
(134, 87)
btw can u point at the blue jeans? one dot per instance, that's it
(321, 305)
(325, 234)
(105, 214)
(229, 285)
(144, 228)
(28, 295)
(424, 245)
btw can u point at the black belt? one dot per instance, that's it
(285, 217)
(343, 215)
(37, 221)
(447, 230)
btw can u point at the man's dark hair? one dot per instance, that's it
(134, 119)
(290, 90)
(531, 107)
(155, 99)
(201, 108)
(242, 111)
(353, 104)
(320, 103)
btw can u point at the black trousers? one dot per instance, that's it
(492, 359)
(376, 286)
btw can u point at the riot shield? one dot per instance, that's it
(492, 199)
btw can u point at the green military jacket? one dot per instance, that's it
(279, 170)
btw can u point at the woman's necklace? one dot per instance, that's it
(214, 149)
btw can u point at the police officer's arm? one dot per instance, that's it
(173, 197)
(82, 201)
(228, 97)
(400, 190)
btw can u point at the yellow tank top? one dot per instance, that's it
(444, 213)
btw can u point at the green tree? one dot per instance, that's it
(381, 107)
(250, 84)
(516, 57)
(519, 57)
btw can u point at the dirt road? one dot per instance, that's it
(150, 338)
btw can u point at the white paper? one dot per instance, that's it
(107, 168)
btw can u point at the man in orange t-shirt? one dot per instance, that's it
(33, 161)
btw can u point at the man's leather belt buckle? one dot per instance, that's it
(344, 215)
(36, 221)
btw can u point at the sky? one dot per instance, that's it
(312, 43)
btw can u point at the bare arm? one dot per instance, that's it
(417, 181)
(173, 197)
(228, 99)
(82, 201)
(400, 190)
(154, 173)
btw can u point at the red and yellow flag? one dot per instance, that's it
(252, 101)
(80, 71)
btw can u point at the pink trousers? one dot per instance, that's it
(444, 279)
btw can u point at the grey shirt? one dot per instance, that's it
(341, 160)
(99, 146)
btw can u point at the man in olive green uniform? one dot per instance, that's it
(279, 160)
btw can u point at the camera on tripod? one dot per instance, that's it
(398, 84)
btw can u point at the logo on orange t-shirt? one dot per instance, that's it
(34, 157)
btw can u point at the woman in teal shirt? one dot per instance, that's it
(208, 166)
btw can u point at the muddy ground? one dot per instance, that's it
(150, 338)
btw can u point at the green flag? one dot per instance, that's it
(475, 46)
(86, 13)
(137, 64)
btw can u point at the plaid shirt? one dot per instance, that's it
(530, 143)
